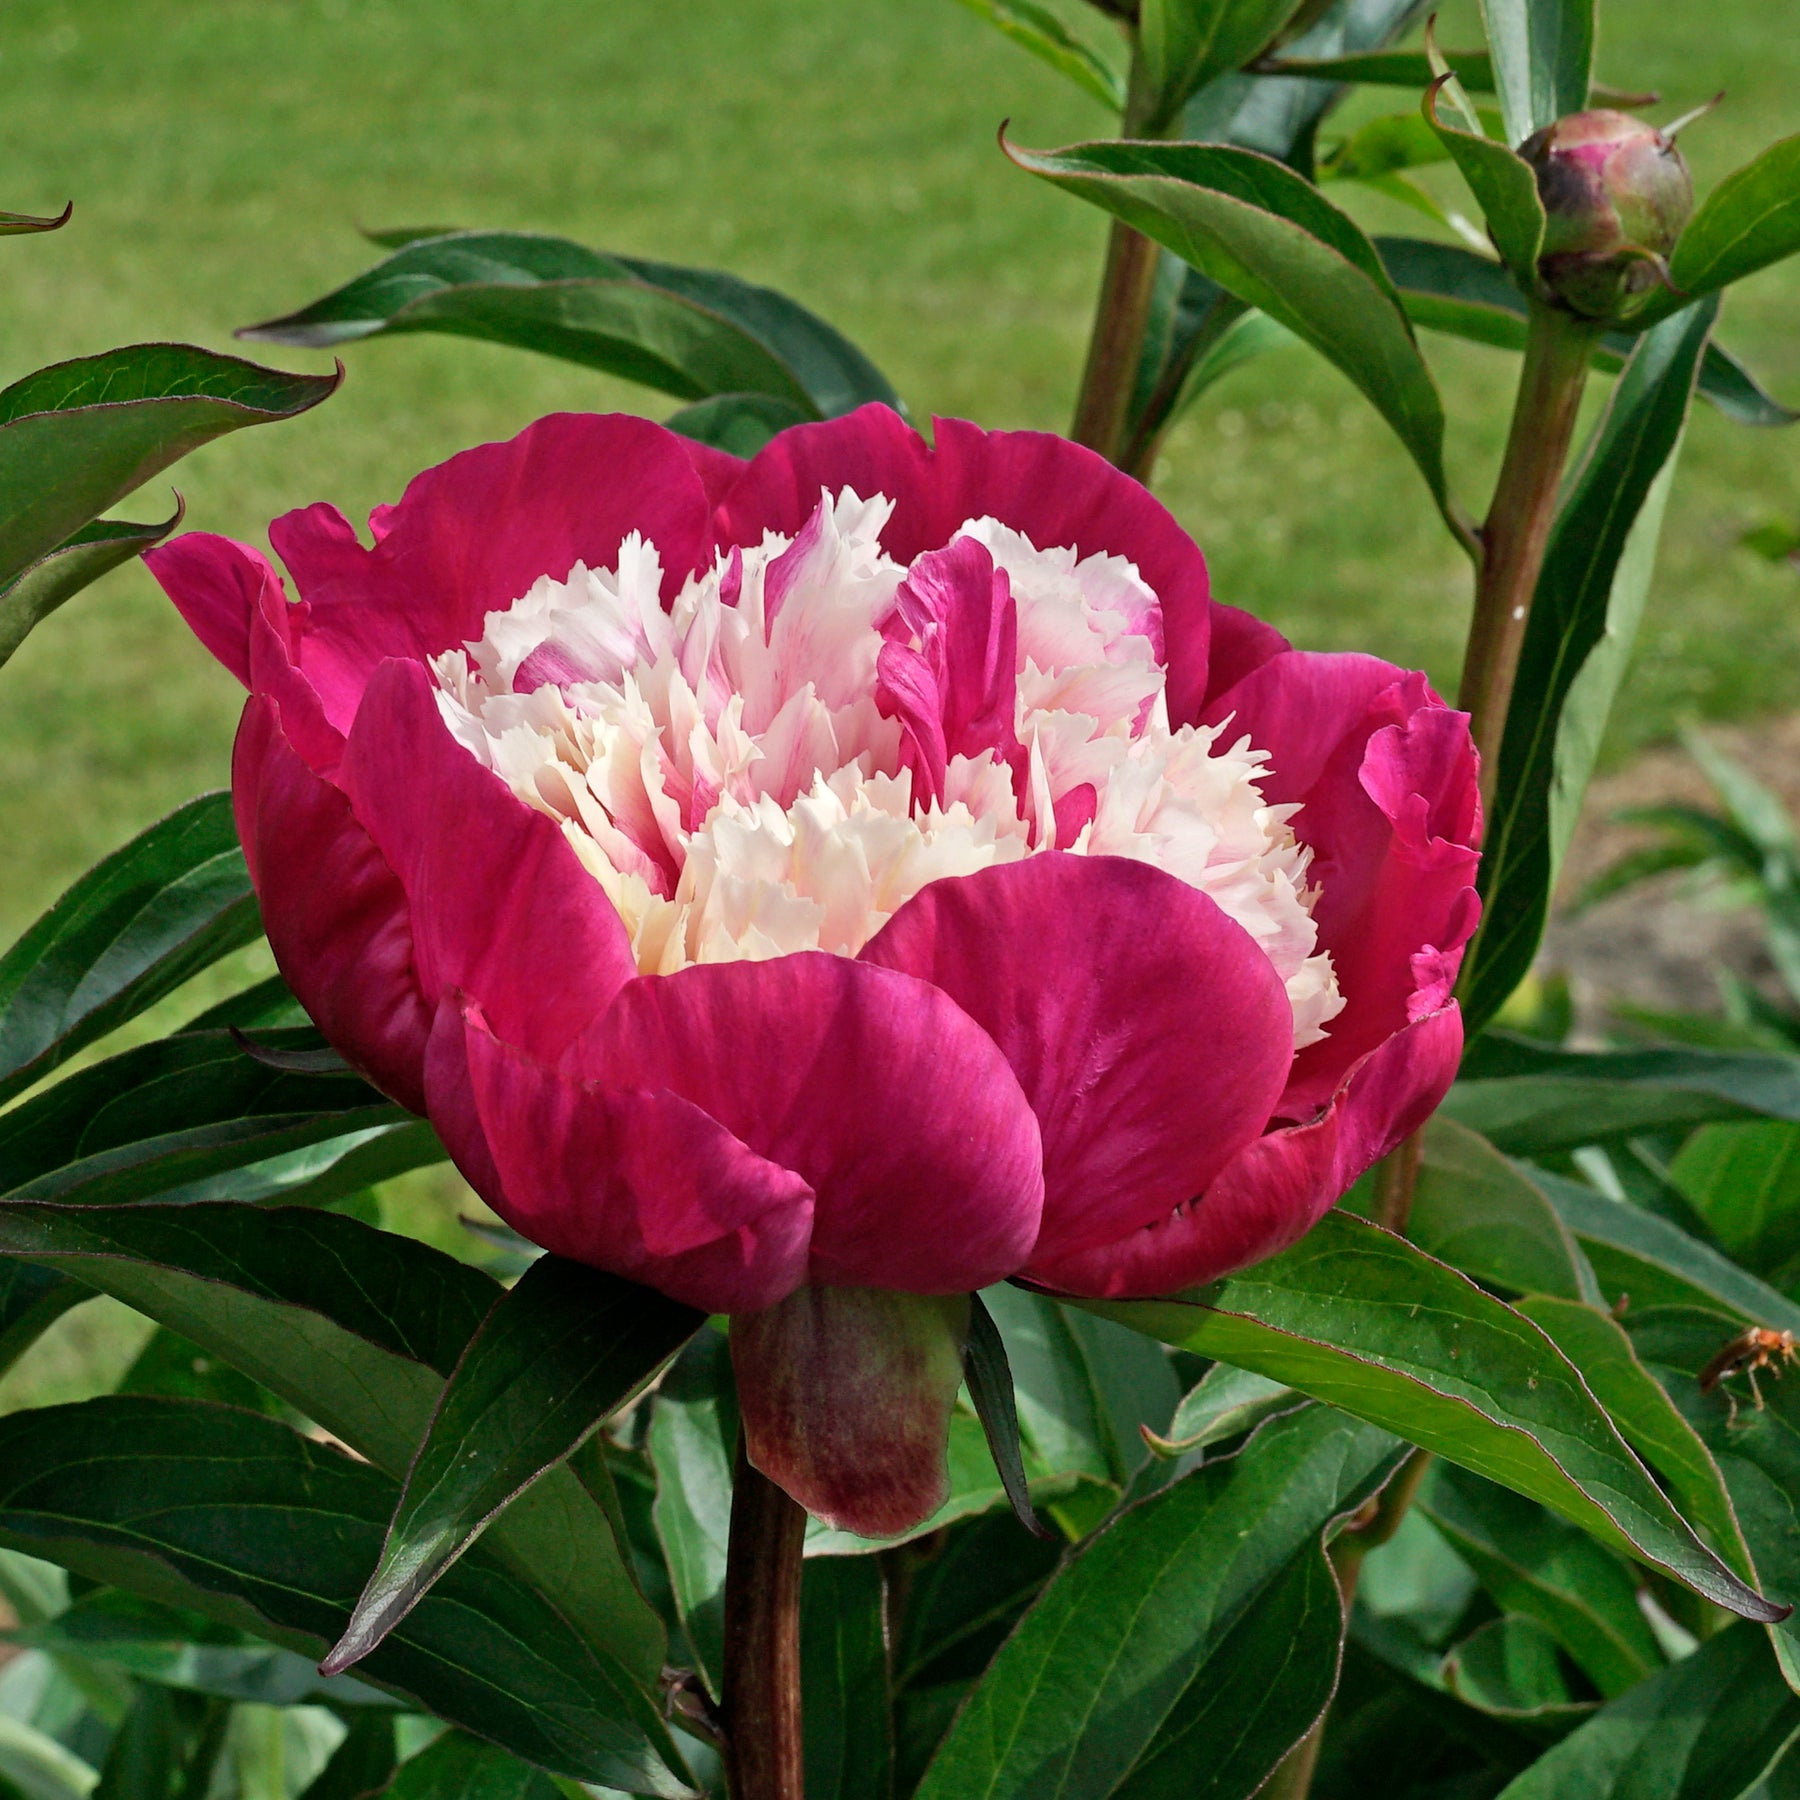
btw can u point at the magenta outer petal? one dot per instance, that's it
(1386, 778)
(1150, 1034)
(1275, 1191)
(639, 1182)
(216, 584)
(335, 915)
(891, 1104)
(1055, 492)
(502, 909)
(472, 535)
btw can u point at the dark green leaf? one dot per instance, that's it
(739, 424)
(558, 1354)
(166, 1748)
(1477, 1211)
(1534, 1100)
(132, 929)
(1744, 1181)
(361, 1766)
(1184, 44)
(1510, 1669)
(1649, 1421)
(1590, 597)
(1654, 1263)
(179, 1370)
(1363, 1320)
(693, 333)
(357, 1328)
(1045, 35)
(1751, 219)
(1388, 68)
(1504, 187)
(1774, 541)
(1543, 55)
(1533, 1563)
(60, 574)
(844, 1677)
(1737, 393)
(240, 1518)
(990, 1384)
(76, 437)
(265, 1005)
(1117, 1663)
(457, 1767)
(1268, 236)
(31, 1301)
(1705, 1728)
(17, 224)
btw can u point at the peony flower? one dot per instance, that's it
(823, 886)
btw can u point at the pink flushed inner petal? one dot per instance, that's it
(811, 733)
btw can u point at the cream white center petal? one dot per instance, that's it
(724, 770)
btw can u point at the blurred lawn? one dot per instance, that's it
(221, 153)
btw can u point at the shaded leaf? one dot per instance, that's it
(240, 1518)
(1363, 1320)
(739, 424)
(1705, 1728)
(1744, 1181)
(990, 1384)
(80, 435)
(131, 930)
(1532, 1563)
(1583, 624)
(557, 1354)
(1509, 1668)
(60, 574)
(457, 1767)
(1224, 1403)
(166, 1748)
(1118, 1663)
(1543, 54)
(1265, 234)
(1387, 68)
(361, 1766)
(1041, 32)
(31, 1301)
(693, 333)
(357, 1328)
(848, 1717)
(1184, 44)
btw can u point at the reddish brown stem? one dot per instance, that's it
(1396, 1178)
(1120, 320)
(763, 1748)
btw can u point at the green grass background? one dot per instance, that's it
(222, 152)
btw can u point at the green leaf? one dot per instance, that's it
(1744, 1181)
(1477, 1211)
(1655, 1263)
(1504, 187)
(361, 1766)
(1445, 287)
(1363, 1320)
(1509, 1668)
(848, 1717)
(171, 1648)
(238, 1517)
(175, 1112)
(357, 1328)
(1533, 1563)
(31, 1301)
(166, 1748)
(739, 424)
(988, 1377)
(18, 224)
(1646, 1417)
(1584, 619)
(1112, 1678)
(693, 333)
(131, 930)
(557, 1355)
(78, 436)
(458, 1767)
(1387, 68)
(1268, 236)
(1223, 1403)
(60, 574)
(1184, 44)
(1706, 1728)
(1543, 54)
(1041, 32)
(1751, 219)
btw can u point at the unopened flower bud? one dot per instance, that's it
(1616, 195)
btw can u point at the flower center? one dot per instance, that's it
(812, 733)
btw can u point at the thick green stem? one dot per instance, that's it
(764, 1757)
(1558, 349)
(1122, 314)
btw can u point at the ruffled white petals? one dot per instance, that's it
(725, 773)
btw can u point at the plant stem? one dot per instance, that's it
(1396, 1179)
(1122, 314)
(1558, 348)
(763, 1748)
